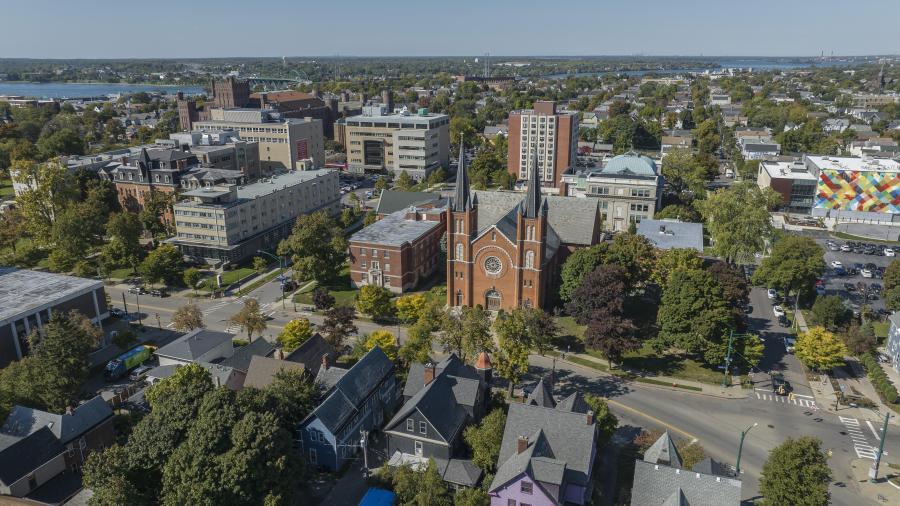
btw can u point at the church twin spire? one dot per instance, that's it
(462, 200)
(531, 206)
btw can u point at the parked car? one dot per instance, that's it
(889, 252)
(116, 312)
(875, 287)
(139, 373)
(850, 287)
(778, 310)
(779, 385)
(836, 264)
(846, 248)
(771, 293)
(840, 271)
(834, 247)
(866, 273)
(789, 343)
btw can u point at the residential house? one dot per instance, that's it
(356, 402)
(314, 353)
(198, 345)
(440, 401)
(37, 446)
(547, 455)
(661, 480)
(893, 342)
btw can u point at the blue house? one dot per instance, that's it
(356, 399)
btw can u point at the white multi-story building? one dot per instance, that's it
(230, 223)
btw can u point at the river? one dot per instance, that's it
(85, 90)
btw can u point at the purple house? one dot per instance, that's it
(547, 454)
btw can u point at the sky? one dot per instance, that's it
(221, 28)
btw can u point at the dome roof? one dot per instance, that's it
(631, 163)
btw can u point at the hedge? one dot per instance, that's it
(879, 379)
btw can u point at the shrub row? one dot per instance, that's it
(879, 379)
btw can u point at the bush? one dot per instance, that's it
(879, 379)
(240, 342)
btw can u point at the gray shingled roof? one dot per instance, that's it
(663, 451)
(23, 421)
(194, 344)
(452, 365)
(574, 403)
(553, 434)
(353, 388)
(19, 457)
(459, 471)
(392, 201)
(655, 484)
(541, 396)
(441, 403)
(572, 219)
(262, 370)
(394, 230)
(242, 356)
(669, 234)
(310, 354)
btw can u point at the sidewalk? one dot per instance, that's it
(665, 382)
(882, 492)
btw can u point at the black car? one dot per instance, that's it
(849, 287)
(779, 385)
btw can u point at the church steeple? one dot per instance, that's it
(462, 200)
(531, 206)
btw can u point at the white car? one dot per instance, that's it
(866, 273)
(846, 248)
(836, 264)
(889, 252)
(778, 310)
(771, 293)
(789, 344)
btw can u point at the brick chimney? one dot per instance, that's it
(325, 361)
(521, 444)
(590, 417)
(69, 410)
(279, 355)
(429, 373)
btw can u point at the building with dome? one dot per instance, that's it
(628, 189)
(504, 251)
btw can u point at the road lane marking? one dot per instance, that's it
(805, 396)
(872, 428)
(653, 418)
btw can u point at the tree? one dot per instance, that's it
(485, 438)
(532, 326)
(669, 260)
(191, 276)
(259, 264)
(611, 334)
(375, 301)
(47, 189)
(892, 275)
(156, 205)
(420, 488)
(829, 312)
(411, 307)
(317, 247)
(250, 318)
(381, 184)
(793, 266)
(187, 318)
(579, 264)
(693, 314)
(796, 473)
(417, 347)
(322, 298)
(603, 417)
(751, 349)
(404, 181)
(69, 238)
(295, 333)
(678, 212)
(106, 473)
(602, 289)
(162, 264)
(861, 339)
(338, 325)
(466, 333)
(12, 228)
(683, 173)
(738, 220)
(384, 340)
(819, 349)
(511, 360)
(471, 497)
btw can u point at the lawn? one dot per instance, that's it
(6, 189)
(123, 273)
(340, 289)
(881, 330)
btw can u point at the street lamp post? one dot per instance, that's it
(280, 270)
(873, 472)
(737, 467)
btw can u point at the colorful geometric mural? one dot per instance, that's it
(866, 191)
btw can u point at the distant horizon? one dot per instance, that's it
(462, 56)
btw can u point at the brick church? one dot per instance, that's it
(505, 251)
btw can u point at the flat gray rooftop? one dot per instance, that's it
(22, 291)
(394, 230)
(292, 178)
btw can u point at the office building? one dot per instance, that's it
(296, 104)
(378, 140)
(627, 187)
(855, 188)
(399, 250)
(229, 223)
(221, 149)
(791, 180)
(28, 299)
(282, 142)
(553, 134)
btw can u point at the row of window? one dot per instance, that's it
(362, 251)
(411, 426)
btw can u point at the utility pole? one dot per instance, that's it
(137, 297)
(873, 472)
(728, 359)
(125, 303)
(737, 467)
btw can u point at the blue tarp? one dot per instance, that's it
(378, 497)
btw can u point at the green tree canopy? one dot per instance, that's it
(738, 220)
(793, 265)
(317, 247)
(796, 473)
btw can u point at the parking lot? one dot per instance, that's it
(850, 286)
